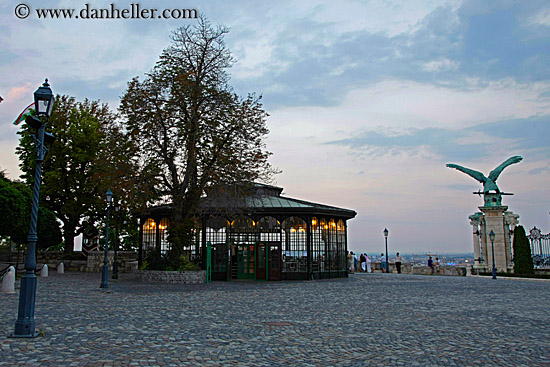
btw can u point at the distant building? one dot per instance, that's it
(262, 235)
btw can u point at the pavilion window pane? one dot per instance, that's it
(270, 229)
(192, 249)
(332, 246)
(163, 232)
(295, 245)
(243, 231)
(341, 233)
(316, 245)
(216, 234)
(325, 264)
(216, 230)
(149, 235)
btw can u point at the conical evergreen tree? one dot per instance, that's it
(523, 262)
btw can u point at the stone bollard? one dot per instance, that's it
(60, 268)
(8, 283)
(468, 270)
(44, 271)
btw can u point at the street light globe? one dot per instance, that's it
(109, 195)
(43, 100)
(386, 232)
(492, 235)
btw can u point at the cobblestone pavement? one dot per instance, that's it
(364, 320)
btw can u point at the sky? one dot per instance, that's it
(368, 100)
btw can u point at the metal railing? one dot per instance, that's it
(540, 248)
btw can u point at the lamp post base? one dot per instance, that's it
(115, 269)
(15, 336)
(105, 277)
(25, 325)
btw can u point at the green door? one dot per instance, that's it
(261, 261)
(246, 262)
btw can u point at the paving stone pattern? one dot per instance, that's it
(364, 320)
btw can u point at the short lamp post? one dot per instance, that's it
(492, 237)
(105, 275)
(43, 104)
(386, 232)
(115, 260)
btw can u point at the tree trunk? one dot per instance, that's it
(68, 238)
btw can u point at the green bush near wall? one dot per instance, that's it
(523, 261)
(156, 261)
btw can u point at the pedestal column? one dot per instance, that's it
(510, 223)
(494, 220)
(475, 221)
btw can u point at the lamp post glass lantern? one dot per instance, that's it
(492, 237)
(105, 274)
(43, 100)
(386, 232)
(25, 325)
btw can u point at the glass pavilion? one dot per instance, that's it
(261, 236)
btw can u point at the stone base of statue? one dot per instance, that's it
(502, 223)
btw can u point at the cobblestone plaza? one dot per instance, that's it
(363, 320)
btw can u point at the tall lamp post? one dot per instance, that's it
(105, 275)
(115, 260)
(492, 237)
(43, 104)
(386, 232)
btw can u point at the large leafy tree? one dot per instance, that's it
(188, 122)
(133, 183)
(69, 188)
(91, 153)
(15, 203)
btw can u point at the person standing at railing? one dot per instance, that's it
(350, 262)
(367, 261)
(362, 261)
(382, 263)
(398, 261)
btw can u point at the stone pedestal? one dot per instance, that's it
(502, 223)
(494, 221)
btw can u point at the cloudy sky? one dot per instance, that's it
(368, 99)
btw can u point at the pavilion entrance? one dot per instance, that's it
(268, 261)
(246, 261)
(261, 261)
(220, 260)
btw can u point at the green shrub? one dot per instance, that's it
(187, 265)
(523, 261)
(156, 261)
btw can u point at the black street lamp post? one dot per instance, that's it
(386, 232)
(25, 324)
(105, 275)
(115, 260)
(492, 237)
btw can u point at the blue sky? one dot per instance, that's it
(368, 99)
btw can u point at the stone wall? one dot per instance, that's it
(127, 261)
(443, 270)
(180, 277)
(423, 270)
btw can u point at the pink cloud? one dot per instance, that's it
(17, 93)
